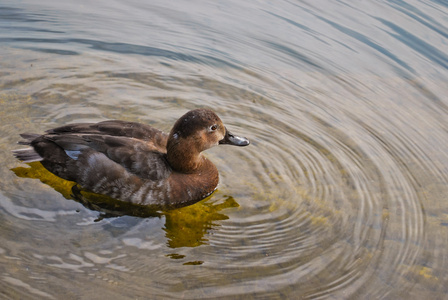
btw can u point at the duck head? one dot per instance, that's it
(194, 132)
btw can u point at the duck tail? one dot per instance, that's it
(27, 155)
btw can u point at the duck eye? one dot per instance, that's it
(213, 127)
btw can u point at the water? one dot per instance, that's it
(341, 195)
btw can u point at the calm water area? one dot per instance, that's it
(342, 194)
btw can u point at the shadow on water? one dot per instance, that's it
(184, 227)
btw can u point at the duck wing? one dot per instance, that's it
(117, 128)
(137, 156)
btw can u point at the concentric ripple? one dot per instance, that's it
(341, 200)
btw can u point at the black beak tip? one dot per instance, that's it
(240, 141)
(234, 140)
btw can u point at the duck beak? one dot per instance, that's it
(234, 140)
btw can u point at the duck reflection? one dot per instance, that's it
(184, 227)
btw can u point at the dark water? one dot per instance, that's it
(342, 194)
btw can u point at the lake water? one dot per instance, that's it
(343, 193)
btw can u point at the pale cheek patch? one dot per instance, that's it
(210, 139)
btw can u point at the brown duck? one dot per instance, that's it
(135, 162)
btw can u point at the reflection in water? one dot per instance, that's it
(37, 171)
(184, 227)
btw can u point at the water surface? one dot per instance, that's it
(341, 195)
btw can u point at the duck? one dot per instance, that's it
(134, 162)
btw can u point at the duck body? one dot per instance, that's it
(134, 162)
